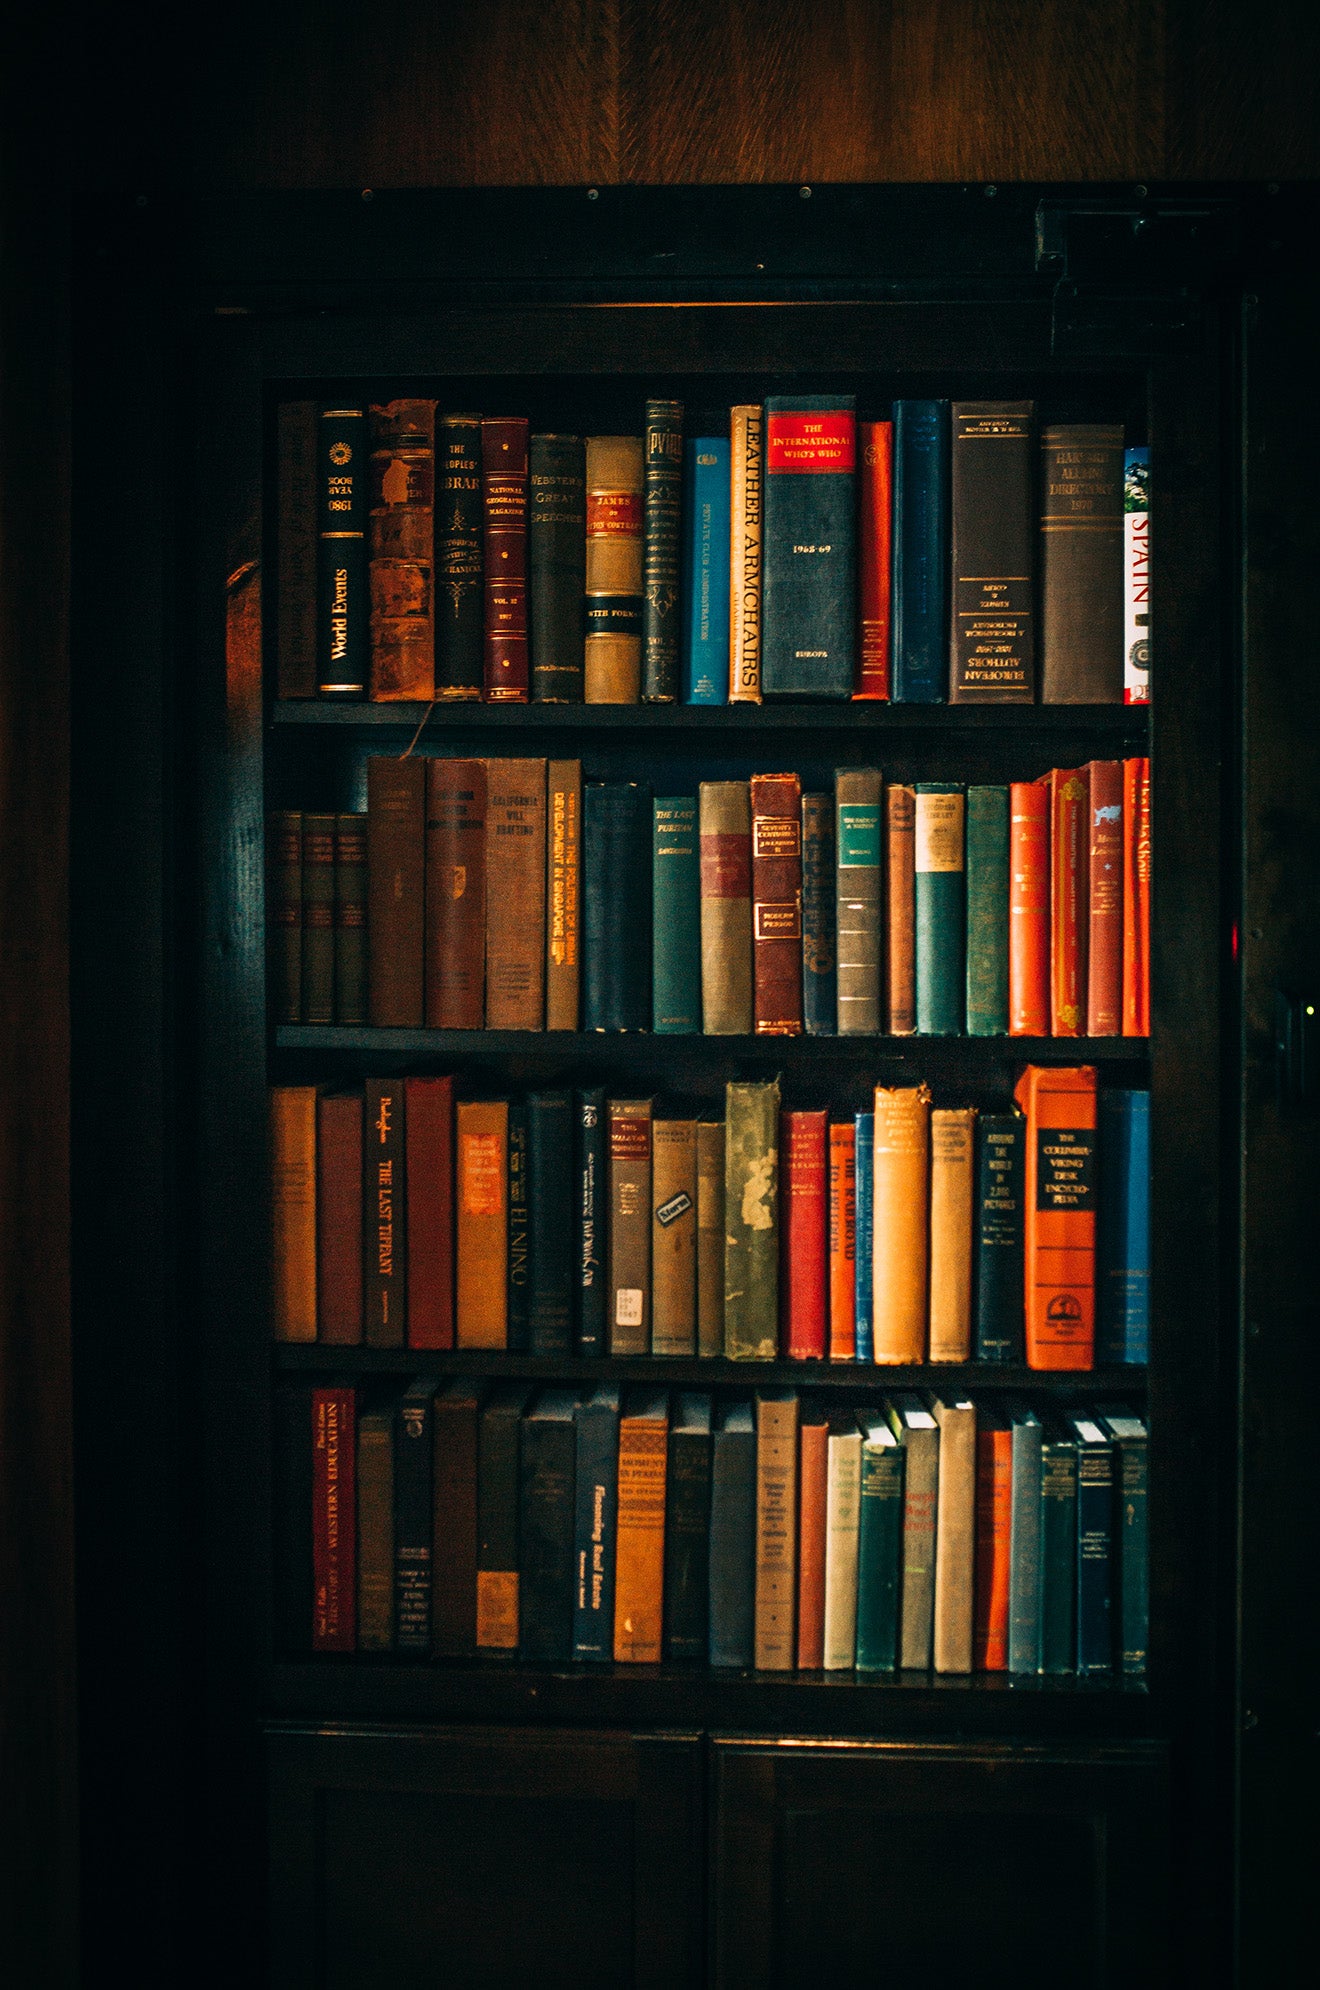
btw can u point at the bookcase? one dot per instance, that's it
(677, 1825)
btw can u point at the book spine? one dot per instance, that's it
(1123, 1228)
(687, 1545)
(590, 1180)
(676, 917)
(296, 547)
(518, 1272)
(350, 919)
(875, 518)
(563, 909)
(396, 831)
(993, 544)
(724, 821)
(1024, 1551)
(900, 1221)
(402, 546)
(776, 1529)
(921, 1457)
(546, 1587)
(1132, 1558)
(342, 592)
(629, 1284)
(940, 907)
(999, 1187)
(706, 573)
(1136, 577)
(746, 484)
(842, 1513)
(857, 793)
(595, 1526)
(1142, 864)
(1029, 909)
(751, 1216)
(1069, 842)
(616, 906)
(413, 1523)
(384, 1214)
(820, 981)
(428, 1113)
(994, 1517)
(804, 1276)
(549, 1200)
(455, 939)
(920, 617)
(557, 563)
(955, 1539)
(1059, 1229)
(710, 1237)
(506, 661)
(987, 911)
(808, 630)
(375, 1532)
(339, 1219)
(813, 1497)
(640, 1553)
(901, 944)
(662, 506)
(733, 1547)
(1082, 564)
(515, 894)
(952, 1176)
(1104, 951)
(879, 1557)
(674, 1237)
(1058, 1556)
(863, 1299)
(318, 918)
(293, 1212)
(284, 913)
(776, 804)
(460, 563)
(497, 1527)
(456, 1423)
(482, 1227)
(843, 1242)
(613, 653)
(1095, 1496)
(334, 1520)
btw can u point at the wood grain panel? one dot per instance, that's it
(1243, 89)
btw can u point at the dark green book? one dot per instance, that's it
(460, 606)
(662, 503)
(675, 917)
(687, 1530)
(318, 918)
(557, 563)
(1131, 1554)
(350, 918)
(1095, 1541)
(879, 1545)
(413, 1518)
(590, 1193)
(497, 1515)
(941, 908)
(733, 1537)
(520, 1268)
(998, 1212)
(549, 1221)
(546, 1588)
(1058, 1552)
(751, 1221)
(987, 911)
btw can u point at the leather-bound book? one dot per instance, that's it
(1024, 1541)
(955, 1535)
(550, 1224)
(596, 1510)
(776, 1528)
(687, 1530)
(918, 1433)
(842, 1241)
(481, 1226)
(993, 547)
(900, 927)
(987, 911)
(725, 823)
(776, 804)
(820, 980)
(919, 640)
(1136, 577)
(751, 1220)
(1082, 563)
(674, 1237)
(396, 893)
(563, 908)
(295, 549)
(498, 1444)
(994, 1518)
(803, 1231)
(504, 517)
(518, 1266)
(616, 906)
(1136, 897)
(293, 1211)
(1069, 880)
(900, 1222)
(1000, 1162)
(284, 913)
(842, 1514)
(879, 1545)
(940, 901)
(334, 1520)
(629, 1280)
(455, 894)
(952, 1187)
(375, 1531)
(545, 1547)
(613, 665)
(384, 1214)
(813, 1483)
(402, 546)
(428, 1117)
(515, 894)
(459, 601)
(339, 1218)
(350, 919)
(1095, 1533)
(808, 589)
(1059, 1233)
(1029, 909)
(875, 523)
(414, 1515)
(710, 1236)
(675, 917)
(746, 492)
(591, 1192)
(1104, 948)
(318, 918)
(639, 1563)
(662, 504)
(557, 557)
(858, 793)
(1131, 1553)
(455, 1424)
(705, 621)
(864, 1236)
(343, 610)
(733, 1536)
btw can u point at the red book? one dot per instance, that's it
(874, 527)
(504, 514)
(339, 1219)
(813, 1488)
(994, 1514)
(802, 1144)
(1029, 910)
(1136, 897)
(843, 1242)
(428, 1123)
(334, 1520)
(1059, 1214)
(1069, 887)
(1104, 975)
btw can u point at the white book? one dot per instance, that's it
(843, 1507)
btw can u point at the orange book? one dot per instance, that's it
(803, 1270)
(952, 1181)
(843, 1242)
(1136, 897)
(639, 1552)
(1029, 910)
(813, 1478)
(293, 1211)
(482, 1229)
(1059, 1198)
(1070, 865)
(900, 1207)
(994, 1515)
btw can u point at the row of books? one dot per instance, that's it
(800, 554)
(506, 894)
(569, 1222)
(774, 1534)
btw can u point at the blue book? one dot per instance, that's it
(706, 571)
(864, 1154)
(919, 624)
(1123, 1243)
(595, 1520)
(733, 1537)
(809, 547)
(1095, 1529)
(1025, 1594)
(1058, 1550)
(1131, 1551)
(616, 906)
(675, 917)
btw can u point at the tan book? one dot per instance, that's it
(613, 650)
(900, 897)
(639, 1553)
(843, 1512)
(710, 1236)
(955, 1535)
(563, 891)
(674, 1236)
(481, 1231)
(515, 894)
(724, 813)
(293, 1211)
(900, 1217)
(952, 1181)
(813, 1490)
(629, 1287)
(746, 492)
(776, 1528)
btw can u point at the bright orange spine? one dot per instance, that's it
(1060, 1105)
(994, 1514)
(1029, 911)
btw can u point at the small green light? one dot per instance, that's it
(1310, 1008)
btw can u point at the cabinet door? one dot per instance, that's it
(855, 1861)
(483, 1856)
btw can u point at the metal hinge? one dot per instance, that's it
(1130, 276)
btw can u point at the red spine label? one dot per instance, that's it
(810, 444)
(613, 512)
(726, 865)
(873, 559)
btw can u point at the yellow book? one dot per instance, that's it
(952, 1176)
(900, 1219)
(639, 1552)
(746, 489)
(482, 1228)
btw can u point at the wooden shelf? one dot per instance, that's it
(864, 717)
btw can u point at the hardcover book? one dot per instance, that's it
(629, 1284)
(952, 1182)
(842, 1515)
(993, 553)
(863, 1300)
(413, 1517)
(918, 1433)
(482, 1228)
(706, 573)
(1136, 897)
(955, 1534)
(1058, 1550)
(776, 806)
(1104, 950)
(342, 594)
(813, 1495)
(460, 563)
(751, 1221)
(1082, 563)
(1123, 1227)
(994, 1519)
(428, 1119)
(563, 893)
(318, 918)
(687, 1530)
(396, 843)
(334, 1519)
(879, 1545)
(639, 1568)
(819, 975)
(614, 570)
(375, 1531)
(1000, 1165)
(776, 1528)
(900, 944)
(1095, 1498)
(546, 1584)
(987, 911)
(507, 671)
(455, 894)
(557, 562)
(550, 1186)
(1025, 1649)
(384, 1214)
(675, 917)
(842, 1241)
(725, 824)
(674, 1237)
(803, 1229)
(733, 1537)
(662, 503)
(456, 1421)
(1136, 577)
(875, 513)
(710, 1236)
(940, 907)
(1029, 909)
(746, 448)
(596, 1422)
(616, 906)
(920, 597)
(350, 918)
(1069, 870)
(402, 548)
(808, 631)
(339, 1218)
(591, 1189)
(1059, 1201)
(858, 796)
(296, 542)
(497, 1516)
(1131, 1554)
(515, 894)
(293, 1212)
(900, 1222)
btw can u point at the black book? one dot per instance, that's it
(999, 1220)
(384, 1214)
(550, 1220)
(662, 500)
(733, 1537)
(413, 1517)
(557, 559)
(497, 1516)
(519, 1262)
(294, 1580)
(687, 1530)
(993, 529)
(545, 1527)
(591, 1189)
(820, 977)
(459, 564)
(457, 1423)
(343, 604)
(616, 906)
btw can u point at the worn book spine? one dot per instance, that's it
(455, 941)
(318, 918)
(1104, 951)
(402, 547)
(629, 1282)
(591, 1189)
(1136, 577)
(396, 892)
(481, 1247)
(616, 906)
(1095, 1500)
(675, 917)
(705, 619)
(900, 1222)
(940, 907)
(875, 521)
(879, 1548)
(459, 557)
(1059, 1228)
(1130, 1545)
(776, 1528)
(1058, 1553)
(1082, 563)
(343, 612)
(955, 1536)
(334, 1520)
(952, 1183)
(733, 1538)
(863, 1295)
(803, 1234)
(918, 1433)
(751, 1221)
(557, 565)
(687, 1531)
(994, 1518)
(414, 1523)
(456, 1425)
(384, 1214)
(563, 894)
(813, 1495)
(820, 981)
(920, 598)
(1069, 870)
(614, 570)
(375, 1531)
(900, 931)
(1136, 897)
(506, 658)
(842, 1241)
(710, 1237)
(674, 1237)
(1029, 909)
(350, 918)
(992, 549)
(746, 490)
(515, 894)
(639, 1572)
(1000, 1161)
(808, 625)
(596, 1500)
(725, 826)
(776, 805)
(284, 913)
(518, 1267)
(497, 1518)
(1024, 1545)
(339, 1219)
(858, 794)
(842, 1515)
(662, 505)
(987, 911)
(550, 1189)
(1123, 1227)
(295, 549)
(293, 1212)
(546, 1528)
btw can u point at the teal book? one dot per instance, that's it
(1122, 1269)
(1058, 1552)
(987, 912)
(1024, 1556)
(1131, 1555)
(879, 1545)
(864, 1231)
(706, 571)
(941, 908)
(675, 917)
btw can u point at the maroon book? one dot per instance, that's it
(777, 904)
(334, 1520)
(428, 1119)
(339, 1219)
(504, 512)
